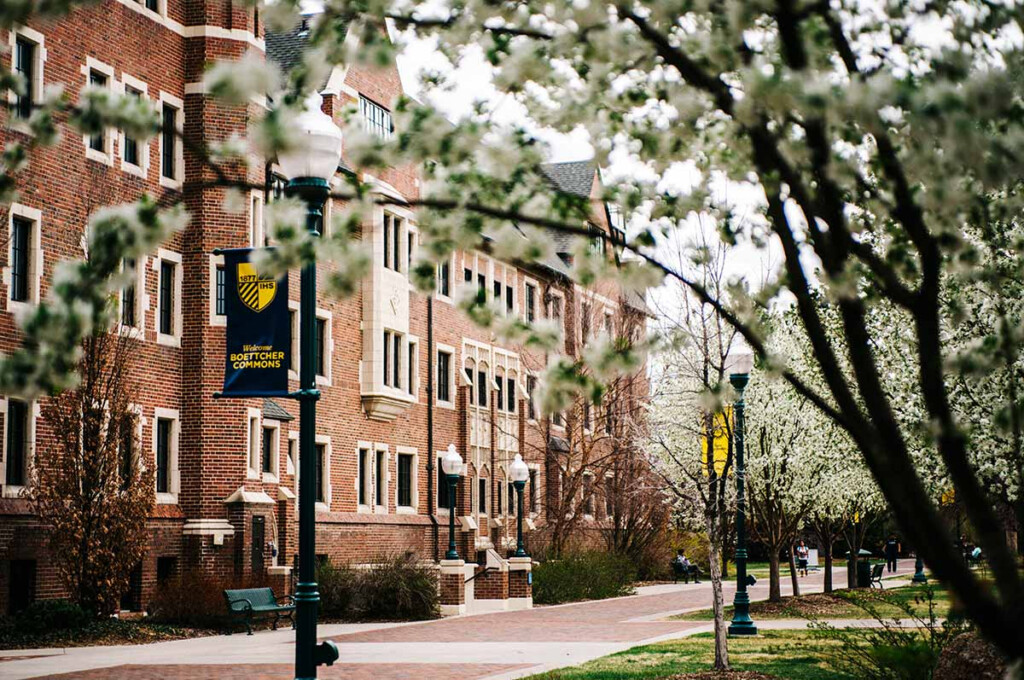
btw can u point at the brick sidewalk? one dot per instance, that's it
(410, 671)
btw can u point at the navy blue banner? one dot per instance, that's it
(259, 331)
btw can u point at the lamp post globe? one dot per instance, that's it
(310, 165)
(451, 464)
(519, 473)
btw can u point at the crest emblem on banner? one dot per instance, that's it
(256, 291)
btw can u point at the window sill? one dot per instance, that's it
(167, 499)
(220, 320)
(270, 478)
(321, 506)
(13, 491)
(447, 299)
(405, 510)
(450, 405)
(133, 169)
(133, 332)
(168, 340)
(363, 509)
(99, 156)
(20, 307)
(323, 380)
(168, 183)
(252, 474)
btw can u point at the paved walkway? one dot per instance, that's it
(495, 646)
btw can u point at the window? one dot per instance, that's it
(380, 477)
(257, 237)
(321, 477)
(609, 419)
(98, 141)
(597, 244)
(481, 387)
(556, 309)
(321, 347)
(499, 396)
(411, 250)
(443, 495)
(126, 450)
(363, 480)
(556, 419)
(128, 300)
(392, 359)
(497, 291)
(467, 275)
(376, 119)
(166, 569)
(405, 466)
(499, 506)
(510, 299)
(512, 499)
(510, 385)
(163, 455)
(532, 497)
(17, 442)
(153, 5)
(254, 442)
(481, 286)
(269, 454)
(482, 495)
(609, 325)
(21, 248)
(531, 388)
(24, 64)
(411, 368)
(166, 298)
(531, 302)
(469, 380)
(444, 369)
(21, 585)
(392, 242)
(587, 424)
(609, 497)
(221, 291)
(293, 444)
(588, 495)
(444, 279)
(171, 150)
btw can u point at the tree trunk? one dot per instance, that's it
(774, 588)
(794, 577)
(725, 566)
(717, 600)
(828, 567)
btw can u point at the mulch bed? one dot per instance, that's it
(723, 675)
(819, 605)
(112, 632)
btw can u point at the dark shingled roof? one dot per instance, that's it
(274, 411)
(573, 177)
(558, 444)
(285, 49)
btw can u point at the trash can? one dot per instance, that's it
(863, 574)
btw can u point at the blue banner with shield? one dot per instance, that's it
(259, 331)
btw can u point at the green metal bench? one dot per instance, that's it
(876, 575)
(248, 603)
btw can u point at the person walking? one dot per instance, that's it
(892, 551)
(803, 553)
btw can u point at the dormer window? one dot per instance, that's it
(376, 119)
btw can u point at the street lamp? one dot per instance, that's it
(519, 473)
(452, 466)
(919, 575)
(742, 624)
(310, 165)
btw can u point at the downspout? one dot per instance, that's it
(431, 476)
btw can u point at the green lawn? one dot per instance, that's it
(838, 605)
(794, 655)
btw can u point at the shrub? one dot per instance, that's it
(195, 599)
(588, 575)
(394, 588)
(44, 616)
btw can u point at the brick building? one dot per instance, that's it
(403, 375)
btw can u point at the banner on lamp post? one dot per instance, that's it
(259, 330)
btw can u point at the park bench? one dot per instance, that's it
(248, 603)
(876, 575)
(680, 571)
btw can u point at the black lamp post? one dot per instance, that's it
(452, 466)
(519, 473)
(310, 166)
(919, 575)
(741, 624)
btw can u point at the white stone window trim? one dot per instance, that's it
(296, 324)
(275, 451)
(525, 393)
(38, 80)
(138, 462)
(538, 302)
(291, 465)
(173, 471)
(257, 225)
(253, 434)
(411, 233)
(138, 331)
(106, 157)
(216, 261)
(453, 369)
(413, 480)
(593, 496)
(35, 260)
(179, 148)
(172, 339)
(325, 379)
(438, 508)
(535, 490)
(453, 282)
(142, 169)
(160, 17)
(326, 481)
(411, 373)
(15, 491)
(384, 484)
(367, 483)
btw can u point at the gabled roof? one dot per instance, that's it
(285, 49)
(274, 411)
(572, 177)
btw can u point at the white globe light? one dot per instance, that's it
(317, 151)
(452, 461)
(518, 470)
(742, 362)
